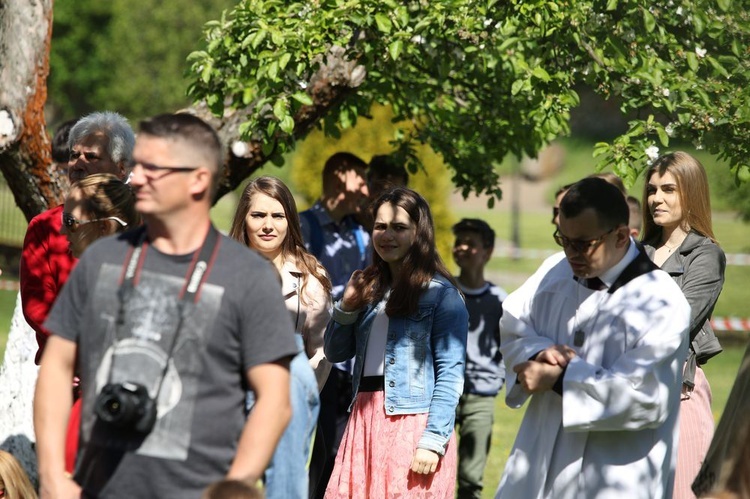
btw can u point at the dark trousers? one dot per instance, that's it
(334, 404)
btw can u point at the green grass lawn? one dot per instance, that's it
(7, 304)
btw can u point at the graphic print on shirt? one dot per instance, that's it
(138, 351)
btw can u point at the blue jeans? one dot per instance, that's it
(286, 476)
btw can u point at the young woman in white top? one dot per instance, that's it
(266, 220)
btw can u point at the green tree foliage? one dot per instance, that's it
(483, 79)
(124, 56)
(369, 138)
(80, 38)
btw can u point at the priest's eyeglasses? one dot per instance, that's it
(580, 245)
(72, 223)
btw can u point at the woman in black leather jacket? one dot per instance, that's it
(679, 238)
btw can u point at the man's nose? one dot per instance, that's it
(76, 163)
(136, 175)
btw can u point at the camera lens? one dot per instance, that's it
(122, 405)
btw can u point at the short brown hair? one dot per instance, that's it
(477, 226)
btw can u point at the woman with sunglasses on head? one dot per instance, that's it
(97, 205)
(266, 220)
(405, 322)
(678, 236)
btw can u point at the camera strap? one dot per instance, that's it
(196, 274)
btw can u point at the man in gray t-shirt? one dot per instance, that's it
(195, 324)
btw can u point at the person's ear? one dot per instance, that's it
(201, 184)
(106, 227)
(122, 172)
(623, 235)
(488, 254)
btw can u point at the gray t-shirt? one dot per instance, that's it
(485, 370)
(239, 321)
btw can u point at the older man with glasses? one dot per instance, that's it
(101, 142)
(595, 341)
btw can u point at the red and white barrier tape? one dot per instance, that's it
(730, 324)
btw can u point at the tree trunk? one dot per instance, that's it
(25, 161)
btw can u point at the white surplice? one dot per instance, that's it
(613, 432)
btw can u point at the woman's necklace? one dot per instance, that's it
(671, 248)
(681, 238)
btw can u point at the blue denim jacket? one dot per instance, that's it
(424, 357)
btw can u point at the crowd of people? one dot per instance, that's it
(330, 353)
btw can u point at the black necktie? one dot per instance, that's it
(595, 283)
(592, 283)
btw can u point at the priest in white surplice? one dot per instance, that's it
(597, 342)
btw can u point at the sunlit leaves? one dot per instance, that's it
(481, 80)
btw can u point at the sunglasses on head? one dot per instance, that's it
(72, 223)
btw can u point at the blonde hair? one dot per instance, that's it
(692, 188)
(13, 478)
(104, 195)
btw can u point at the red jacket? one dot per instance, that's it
(46, 262)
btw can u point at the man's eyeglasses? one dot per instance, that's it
(580, 245)
(150, 169)
(72, 223)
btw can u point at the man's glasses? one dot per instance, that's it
(580, 245)
(150, 170)
(72, 223)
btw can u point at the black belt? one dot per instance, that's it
(372, 384)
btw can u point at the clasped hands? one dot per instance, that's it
(541, 373)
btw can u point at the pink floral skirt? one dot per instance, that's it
(375, 455)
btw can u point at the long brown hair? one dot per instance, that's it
(420, 263)
(293, 245)
(692, 188)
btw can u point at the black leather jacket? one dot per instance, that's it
(698, 268)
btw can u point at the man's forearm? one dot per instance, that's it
(52, 402)
(263, 429)
(266, 422)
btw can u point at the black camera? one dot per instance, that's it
(126, 406)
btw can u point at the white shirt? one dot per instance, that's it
(375, 351)
(613, 432)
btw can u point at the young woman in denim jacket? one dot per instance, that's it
(405, 322)
(267, 221)
(679, 238)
